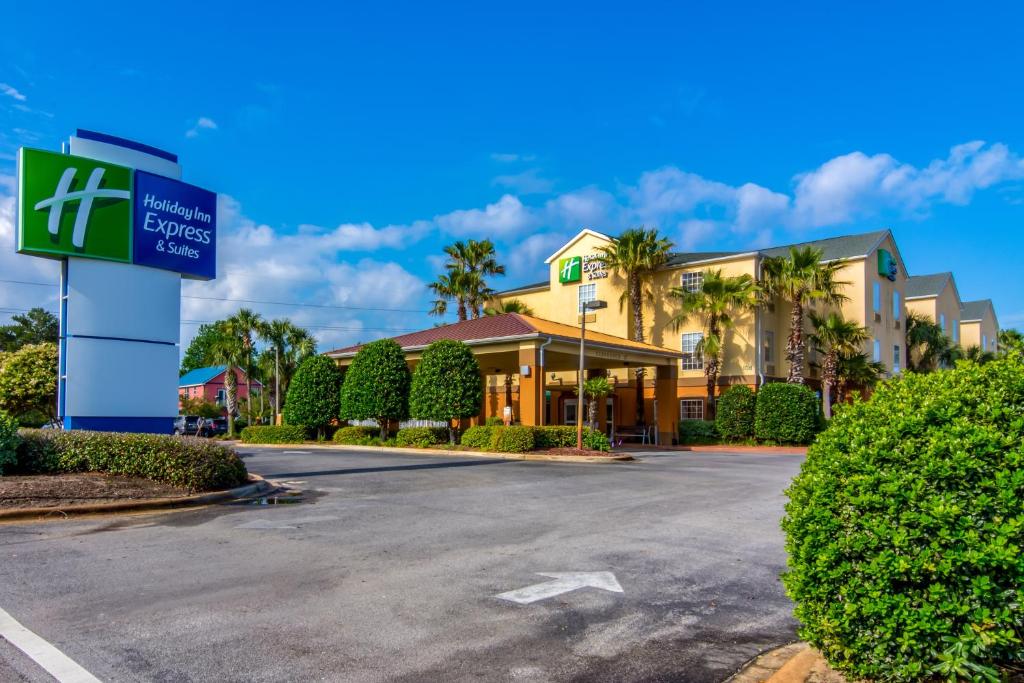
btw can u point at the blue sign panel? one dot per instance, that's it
(174, 226)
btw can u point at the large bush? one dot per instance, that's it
(786, 413)
(189, 462)
(28, 380)
(313, 394)
(421, 437)
(376, 386)
(356, 436)
(274, 434)
(696, 432)
(554, 436)
(905, 528)
(477, 437)
(446, 384)
(8, 441)
(734, 417)
(513, 439)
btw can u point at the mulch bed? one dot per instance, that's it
(55, 490)
(578, 452)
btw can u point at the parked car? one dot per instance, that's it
(186, 425)
(215, 426)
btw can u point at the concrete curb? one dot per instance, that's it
(258, 485)
(623, 457)
(793, 663)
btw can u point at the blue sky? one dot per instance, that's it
(350, 141)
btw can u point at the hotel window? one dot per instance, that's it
(769, 346)
(222, 397)
(877, 297)
(942, 321)
(692, 282)
(895, 305)
(691, 409)
(586, 293)
(693, 359)
(956, 331)
(896, 358)
(877, 354)
(984, 342)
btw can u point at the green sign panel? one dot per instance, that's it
(887, 265)
(570, 269)
(73, 206)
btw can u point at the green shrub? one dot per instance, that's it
(512, 439)
(356, 436)
(376, 385)
(905, 528)
(554, 436)
(698, 432)
(494, 421)
(8, 441)
(421, 437)
(595, 440)
(314, 394)
(735, 412)
(189, 462)
(786, 413)
(446, 384)
(477, 437)
(274, 434)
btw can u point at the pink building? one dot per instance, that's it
(208, 384)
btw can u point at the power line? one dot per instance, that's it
(259, 301)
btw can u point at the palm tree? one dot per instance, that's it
(978, 355)
(856, 369)
(801, 278)
(594, 389)
(1011, 342)
(834, 336)
(451, 286)
(635, 255)
(275, 332)
(246, 324)
(718, 300)
(227, 350)
(509, 306)
(478, 259)
(927, 341)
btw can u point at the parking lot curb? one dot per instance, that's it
(623, 457)
(257, 485)
(793, 663)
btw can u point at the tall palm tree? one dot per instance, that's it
(928, 347)
(509, 306)
(799, 279)
(479, 259)
(635, 255)
(451, 286)
(275, 333)
(856, 369)
(717, 303)
(594, 389)
(246, 324)
(833, 336)
(227, 350)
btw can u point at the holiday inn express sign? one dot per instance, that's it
(74, 206)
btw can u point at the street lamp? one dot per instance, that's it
(594, 305)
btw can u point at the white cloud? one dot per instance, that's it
(12, 92)
(527, 182)
(587, 207)
(203, 123)
(15, 266)
(506, 217)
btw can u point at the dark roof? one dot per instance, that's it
(845, 246)
(520, 288)
(682, 258)
(975, 310)
(926, 285)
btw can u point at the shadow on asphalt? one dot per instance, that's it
(392, 468)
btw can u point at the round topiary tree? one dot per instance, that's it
(735, 415)
(312, 400)
(905, 528)
(786, 413)
(446, 384)
(376, 386)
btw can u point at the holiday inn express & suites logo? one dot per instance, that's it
(570, 270)
(73, 206)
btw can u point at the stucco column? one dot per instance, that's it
(531, 386)
(665, 393)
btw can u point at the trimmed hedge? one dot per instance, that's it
(421, 437)
(735, 414)
(8, 441)
(786, 413)
(698, 432)
(274, 434)
(512, 439)
(356, 436)
(555, 436)
(186, 461)
(477, 437)
(905, 529)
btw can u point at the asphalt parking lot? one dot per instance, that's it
(391, 566)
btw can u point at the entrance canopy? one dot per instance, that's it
(504, 343)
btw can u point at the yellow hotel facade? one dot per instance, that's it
(879, 293)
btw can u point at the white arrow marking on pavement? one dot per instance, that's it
(56, 663)
(563, 583)
(282, 524)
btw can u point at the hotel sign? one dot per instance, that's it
(887, 267)
(75, 206)
(572, 269)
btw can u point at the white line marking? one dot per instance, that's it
(55, 662)
(563, 583)
(296, 452)
(282, 524)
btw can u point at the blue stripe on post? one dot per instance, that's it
(127, 144)
(143, 425)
